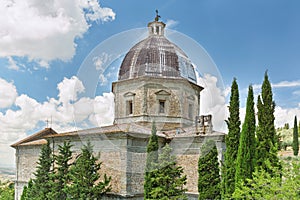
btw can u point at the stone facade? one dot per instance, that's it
(26, 158)
(122, 151)
(157, 82)
(139, 100)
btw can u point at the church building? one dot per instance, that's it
(156, 82)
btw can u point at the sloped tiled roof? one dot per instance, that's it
(37, 136)
(131, 129)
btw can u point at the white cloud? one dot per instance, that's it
(103, 109)
(170, 23)
(282, 115)
(44, 64)
(282, 84)
(68, 89)
(213, 101)
(95, 12)
(102, 79)
(286, 84)
(67, 112)
(12, 64)
(46, 30)
(102, 61)
(8, 93)
(286, 115)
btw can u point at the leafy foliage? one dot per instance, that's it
(78, 180)
(295, 138)
(286, 126)
(7, 191)
(264, 185)
(62, 175)
(85, 177)
(167, 181)
(246, 152)
(267, 138)
(151, 161)
(232, 143)
(26, 191)
(208, 169)
(40, 186)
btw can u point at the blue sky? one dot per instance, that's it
(43, 47)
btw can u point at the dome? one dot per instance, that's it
(156, 56)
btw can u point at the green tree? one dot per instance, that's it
(246, 152)
(41, 184)
(295, 138)
(62, 175)
(151, 161)
(232, 142)
(168, 180)
(26, 191)
(263, 185)
(267, 138)
(85, 184)
(286, 126)
(209, 174)
(7, 191)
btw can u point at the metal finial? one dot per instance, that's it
(47, 123)
(157, 16)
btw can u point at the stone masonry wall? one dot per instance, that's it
(123, 157)
(187, 151)
(190, 169)
(26, 162)
(180, 96)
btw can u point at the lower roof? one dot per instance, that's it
(133, 129)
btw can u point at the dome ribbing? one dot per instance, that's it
(156, 56)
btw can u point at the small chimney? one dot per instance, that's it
(203, 124)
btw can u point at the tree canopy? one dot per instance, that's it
(39, 187)
(295, 138)
(246, 152)
(232, 142)
(151, 161)
(84, 176)
(267, 138)
(78, 180)
(168, 180)
(209, 173)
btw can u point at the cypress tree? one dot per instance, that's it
(85, 176)
(62, 175)
(168, 179)
(232, 143)
(26, 191)
(246, 152)
(40, 186)
(209, 174)
(295, 138)
(267, 138)
(151, 161)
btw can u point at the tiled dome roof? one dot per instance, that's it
(156, 56)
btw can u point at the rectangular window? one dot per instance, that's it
(129, 107)
(161, 106)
